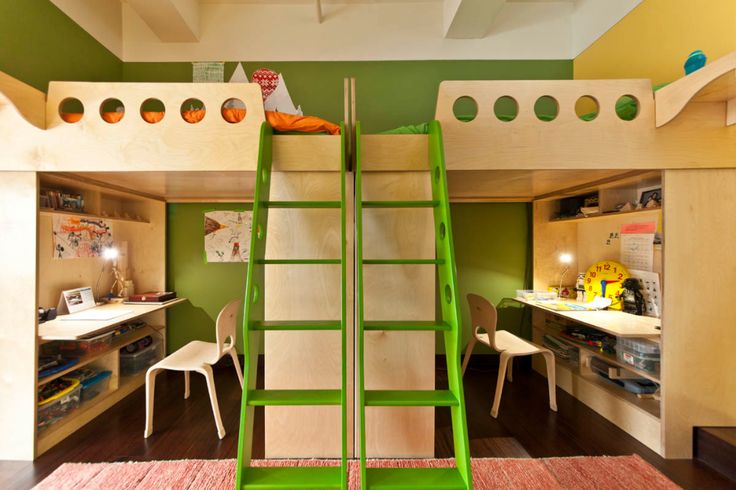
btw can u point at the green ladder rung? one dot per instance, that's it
(296, 325)
(262, 398)
(400, 204)
(410, 398)
(297, 261)
(403, 261)
(303, 204)
(406, 326)
(288, 478)
(414, 478)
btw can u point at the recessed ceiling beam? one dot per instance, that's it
(469, 19)
(171, 20)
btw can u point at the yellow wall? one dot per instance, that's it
(654, 40)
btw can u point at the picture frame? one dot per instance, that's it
(648, 194)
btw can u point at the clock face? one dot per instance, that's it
(605, 279)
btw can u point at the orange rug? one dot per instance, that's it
(579, 473)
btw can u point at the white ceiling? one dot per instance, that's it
(342, 30)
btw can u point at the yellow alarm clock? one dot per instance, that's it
(605, 279)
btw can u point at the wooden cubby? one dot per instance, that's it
(588, 240)
(119, 387)
(138, 223)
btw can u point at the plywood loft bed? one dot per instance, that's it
(681, 137)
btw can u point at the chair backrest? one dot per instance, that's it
(226, 326)
(483, 315)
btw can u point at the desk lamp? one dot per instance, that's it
(112, 253)
(565, 260)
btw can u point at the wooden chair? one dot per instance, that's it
(484, 317)
(199, 357)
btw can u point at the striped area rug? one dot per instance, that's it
(579, 473)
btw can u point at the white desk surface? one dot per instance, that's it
(58, 329)
(609, 321)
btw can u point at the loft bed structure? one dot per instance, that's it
(681, 137)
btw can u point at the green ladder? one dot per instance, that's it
(254, 324)
(459, 477)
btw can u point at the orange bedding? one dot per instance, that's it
(278, 120)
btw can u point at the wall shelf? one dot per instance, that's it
(595, 217)
(609, 358)
(119, 342)
(88, 411)
(50, 211)
(650, 406)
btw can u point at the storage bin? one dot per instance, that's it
(562, 349)
(640, 353)
(93, 386)
(133, 363)
(79, 348)
(531, 295)
(56, 400)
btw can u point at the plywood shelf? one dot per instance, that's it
(119, 342)
(610, 358)
(88, 411)
(595, 217)
(647, 405)
(50, 211)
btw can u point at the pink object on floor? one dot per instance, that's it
(599, 473)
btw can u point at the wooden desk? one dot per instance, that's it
(59, 329)
(611, 322)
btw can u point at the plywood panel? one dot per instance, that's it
(399, 360)
(697, 138)
(394, 152)
(551, 240)
(146, 244)
(307, 360)
(133, 144)
(517, 185)
(698, 332)
(18, 222)
(30, 102)
(306, 152)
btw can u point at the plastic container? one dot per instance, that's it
(79, 348)
(133, 363)
(56, 406)
(562, 349)
(93, 386)
(531, 295)
(640, 353)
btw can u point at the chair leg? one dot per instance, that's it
(150, 389)
(236, 363)
(210, 378)
(469, 352)
(503, 363)
(510, 371)
(549, 359)
(186, 385)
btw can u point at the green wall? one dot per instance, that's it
(492, 253)
(208, 286)
(388, 93)
(40, 43)
(491, 246)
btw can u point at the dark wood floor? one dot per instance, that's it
(185, 429)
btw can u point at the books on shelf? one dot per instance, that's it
(153, 297)
(57, 199)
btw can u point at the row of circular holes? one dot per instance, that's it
(585, 106)
(442, 233)
(74, 106)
